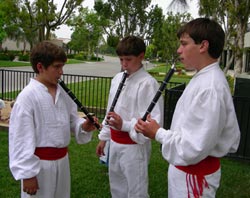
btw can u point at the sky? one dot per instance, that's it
(65, 32)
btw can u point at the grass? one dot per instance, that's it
(90, 179)
(13, 64)
(21, 64)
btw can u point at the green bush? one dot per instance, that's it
(80, 56)
(94, 58)
(24, 57)
(4, 56)
(230, 81)
(70, 56)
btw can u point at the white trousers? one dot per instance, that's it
(128, 170)
(53, 179)
(177, 184)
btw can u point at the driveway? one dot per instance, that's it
(107, 68)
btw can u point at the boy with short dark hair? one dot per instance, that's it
(204, 127)
(129, 151)
(41, 123)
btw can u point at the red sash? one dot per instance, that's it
(50, 153)
(195, 176)
(121, 137)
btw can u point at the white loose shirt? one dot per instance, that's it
(39, 121)
(204, 122)
(136, 95)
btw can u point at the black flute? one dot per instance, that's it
(112, 107)
(79, 104)
(159, 92)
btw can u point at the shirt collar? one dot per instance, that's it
(207, 68)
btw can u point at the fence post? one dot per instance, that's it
(242, 107)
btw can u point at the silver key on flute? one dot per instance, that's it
(79, 104)
(159, 92)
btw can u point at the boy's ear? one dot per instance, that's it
(204, 46)
(142, 55)
(39, 67)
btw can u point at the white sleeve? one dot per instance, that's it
(76, 122)
(199, 131)
(146, 94)
(22, 143)
(104, 134)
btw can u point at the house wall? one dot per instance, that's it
(246, 56)
(13, 45)
(247, 40)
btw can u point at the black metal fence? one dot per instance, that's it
(170, 99)
(242, 108)
(93, 92)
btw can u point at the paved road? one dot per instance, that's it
(107, 68)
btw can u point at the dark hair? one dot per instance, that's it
(130, 45)
(201, 29)
(46, 53)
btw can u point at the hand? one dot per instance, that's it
(100, 148)
(114, 120)
(88, 125)
(30, 185)
(148, 128)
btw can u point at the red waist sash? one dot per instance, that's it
(195, 177)
(121, 137)
(50, 153)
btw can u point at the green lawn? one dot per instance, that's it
(21, 64)
(13, 64)
(90, 179)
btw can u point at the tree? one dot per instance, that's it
(8, 20)
(87, 31)
(35, 21)
(3, 34)
(44, 13)
(128, 17)
(165, 38)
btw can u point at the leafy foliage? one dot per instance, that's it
(122, 18)
(34, 21)
(87, 31)
(165, 39)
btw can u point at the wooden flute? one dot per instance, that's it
(159, 92)
(79, 104)
(117, 94)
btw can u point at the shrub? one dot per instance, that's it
(9, 56)
(80, 56)
(94, 58)
(4, 56)
(230, 81)
(70, 56)
(24, 57)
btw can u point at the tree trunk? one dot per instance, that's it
(229, 62)
(239, 52)
(24, 46)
